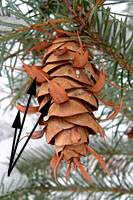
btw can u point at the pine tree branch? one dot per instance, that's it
(97, 39)
(109, 51)
(47, 189)
(33, 26)
(44, 173)
(37, 163)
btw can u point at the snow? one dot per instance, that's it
(16, 179)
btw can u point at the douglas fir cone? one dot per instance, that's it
(69, 85)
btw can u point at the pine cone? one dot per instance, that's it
(70, 119)
(69, 85)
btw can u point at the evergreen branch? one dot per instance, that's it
(100, 34)
(113, 53)
(45, 189)
(33, 26)
(22, 166)
(43, 155)
(44, 182)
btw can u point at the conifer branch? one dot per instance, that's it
(111, 52)
(34, 26)
(46, 189)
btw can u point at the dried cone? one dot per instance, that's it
(71, 81)
(70, 121)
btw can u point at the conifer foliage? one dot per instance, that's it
(80, 55)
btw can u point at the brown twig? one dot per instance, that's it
(97, 4)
